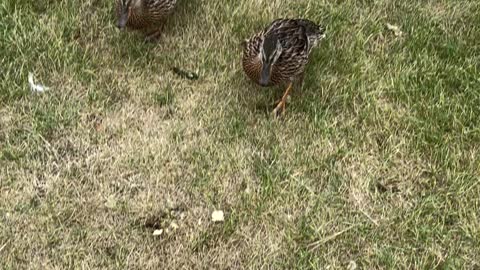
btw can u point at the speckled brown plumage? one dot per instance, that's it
(144, 15)
(278, 54)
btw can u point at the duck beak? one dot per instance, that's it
(122, 21)
(244, 43)
(265, 76)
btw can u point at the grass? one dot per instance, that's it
(376, 163)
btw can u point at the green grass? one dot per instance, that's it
(376, 163)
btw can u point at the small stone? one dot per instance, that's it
(218, 216)
(352, 265)
(174, 225)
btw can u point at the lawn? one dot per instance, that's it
(375, 165)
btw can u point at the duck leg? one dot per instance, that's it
(154, 34)
(300, 81)
(280, 109)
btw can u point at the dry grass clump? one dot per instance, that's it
(376, 163)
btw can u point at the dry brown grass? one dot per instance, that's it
(375, 164)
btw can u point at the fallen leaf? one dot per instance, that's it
(157, 232)
(218, 216)
(395, 29)
(185, 74)
(111, 202)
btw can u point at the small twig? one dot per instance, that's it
(369, 217)
(50, 147)
(4, 245)
(316, 244)
(441, 260)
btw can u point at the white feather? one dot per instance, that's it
(38, 88)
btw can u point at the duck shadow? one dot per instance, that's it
(315, 92)
(133, 45)
(182, 15)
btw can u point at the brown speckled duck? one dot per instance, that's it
(278, 54)
(143, 15)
